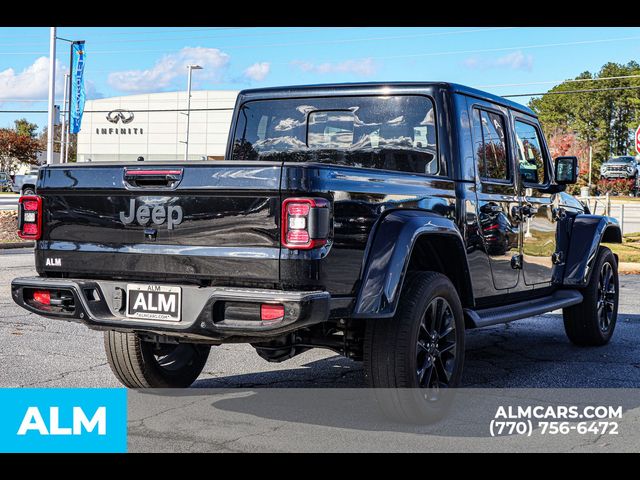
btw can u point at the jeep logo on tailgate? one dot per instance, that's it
(158, 214)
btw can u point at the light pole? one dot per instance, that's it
(52, 95)
(63, 132)
(191, 68)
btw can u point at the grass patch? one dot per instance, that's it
(619, 200)
(629, 249)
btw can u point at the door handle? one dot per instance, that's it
(152, 178)
(525, 211)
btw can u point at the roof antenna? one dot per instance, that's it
(141, 159)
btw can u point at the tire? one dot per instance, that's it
(139, 364)
(592, 322)
(29, 191)
(395, 348)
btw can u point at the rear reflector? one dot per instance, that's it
(42, 296)
(271, 313)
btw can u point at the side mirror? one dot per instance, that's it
(566, 170)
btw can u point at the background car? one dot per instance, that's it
(5, 182)
(26, 184)
(619, 167)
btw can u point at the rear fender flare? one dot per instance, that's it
(388, 258)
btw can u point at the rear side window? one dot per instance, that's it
(491, 153)
(396, 132)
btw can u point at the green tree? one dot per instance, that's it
(604, 120)
(16, 148)
(57, 131)
(26, 128)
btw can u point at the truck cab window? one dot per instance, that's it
(396, 132)
(530, 157)
(492, 157)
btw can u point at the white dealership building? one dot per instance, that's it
(154, 126)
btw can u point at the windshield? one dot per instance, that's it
(385, 132)
(622, 159)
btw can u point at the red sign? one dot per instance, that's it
(638, 140)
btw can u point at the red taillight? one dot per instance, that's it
(30, 229)
(297, 237)
(30, 205)
(42, 296)
(305, 223)
(271, 313)
(30, 217)
(298, 209)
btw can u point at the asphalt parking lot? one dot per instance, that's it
(37, 352)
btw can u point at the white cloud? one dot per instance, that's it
(32, 83)
(91, 90)
(258, 71)
(171, 67)
(360, 67)
(514, 61)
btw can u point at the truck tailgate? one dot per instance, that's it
(197, 221)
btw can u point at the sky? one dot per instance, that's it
(124, 61)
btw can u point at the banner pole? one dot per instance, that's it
(63, 130)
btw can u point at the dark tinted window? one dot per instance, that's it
(492, 151)
(385, 132)
(529, 148)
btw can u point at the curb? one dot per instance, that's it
(628, 268)
(16, 245)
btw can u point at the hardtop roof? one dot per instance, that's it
(375, 87)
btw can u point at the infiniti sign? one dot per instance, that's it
(119, 115)
(122, 117)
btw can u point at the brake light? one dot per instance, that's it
(271, 313)
(305, 223)
(42, 296)
(30, 217)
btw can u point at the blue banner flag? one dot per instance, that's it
(76, 107)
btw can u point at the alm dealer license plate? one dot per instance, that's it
(154, 302)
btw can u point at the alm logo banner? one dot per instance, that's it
(56, 420)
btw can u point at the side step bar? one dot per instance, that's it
(528, 308)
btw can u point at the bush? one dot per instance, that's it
(619, 186)
(573, 189)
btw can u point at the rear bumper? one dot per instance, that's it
(202, 319)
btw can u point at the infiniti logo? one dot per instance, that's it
(119, 115)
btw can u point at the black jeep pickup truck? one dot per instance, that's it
(376, 220)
